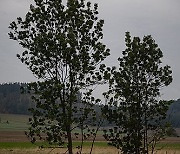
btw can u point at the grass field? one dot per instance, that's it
(13, 140)
(26, 148)
(7, 145)
(13, 122)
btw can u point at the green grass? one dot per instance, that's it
(22, 145)
(13, 122)
(98, 144)
(8, 145)
(26, 145)
(174, 146)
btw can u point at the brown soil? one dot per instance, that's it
(13, 136)
(171, 140)
(19, 136)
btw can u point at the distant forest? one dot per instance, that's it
(174, 113)
(12, 101)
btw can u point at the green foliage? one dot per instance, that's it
(171, 132)
(63, 49)
(133, 97)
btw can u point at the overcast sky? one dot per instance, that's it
(159, 18)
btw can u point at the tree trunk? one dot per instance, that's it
(69, 139)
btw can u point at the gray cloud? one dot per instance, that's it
(159, 18)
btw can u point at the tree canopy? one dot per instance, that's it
(133, 98)
(63, 49)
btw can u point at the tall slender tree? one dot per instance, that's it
(63, 49)
(134, 104)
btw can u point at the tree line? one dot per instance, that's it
(12, 101)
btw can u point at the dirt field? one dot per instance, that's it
(13, 136)
(19, 136)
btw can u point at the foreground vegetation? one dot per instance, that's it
(102, 144)
(63, 48)
(100, 148)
